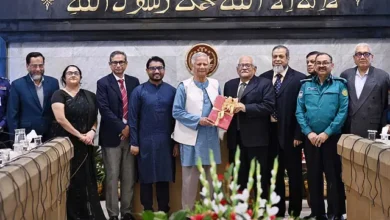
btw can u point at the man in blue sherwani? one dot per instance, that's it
(151, 125)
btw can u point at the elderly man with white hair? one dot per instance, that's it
(368, 93)
(193, 130)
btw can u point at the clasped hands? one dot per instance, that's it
(317, 140)
(87, 138)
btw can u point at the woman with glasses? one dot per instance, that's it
(76, 112)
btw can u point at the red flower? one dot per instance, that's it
(250, 212)
(197, 217)
(220, 177)
(239, 191)
(272, 217)
(232, 216)
(214, 216)
(223, 202)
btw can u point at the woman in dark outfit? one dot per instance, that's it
(76, 113)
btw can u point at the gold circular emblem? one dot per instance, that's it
(345, 92)
(207, 49)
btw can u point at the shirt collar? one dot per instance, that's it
(282, 73)
(328, 80)
(365, 74)
(117, 78)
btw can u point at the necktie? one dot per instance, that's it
(239, 95)
(124, 98)
(277, 85)
(241, 90)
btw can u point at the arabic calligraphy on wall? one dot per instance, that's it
(162, 6)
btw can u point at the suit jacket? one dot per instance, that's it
(286, 104)
(369, 111)
(109, 101)
(259, 101)
(24, 109)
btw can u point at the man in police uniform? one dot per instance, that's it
(4, 93)
(322, 108)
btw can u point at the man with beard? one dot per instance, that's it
(249, 129)
(286, 135)
(112, 95)
(368, 88)
(310, 60)
(29, 103)
(322, 108)
(151, 125)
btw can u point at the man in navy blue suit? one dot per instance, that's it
(29, 103)
(113, 94)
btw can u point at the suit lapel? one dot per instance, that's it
(33, 91)
(252, 84)
(351, 82)
(114, 85)
(234, 89)
(286, 80)
(45, 87)
(128, 85)
(367, 88)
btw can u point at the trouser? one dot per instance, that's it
(190, 175)
(290, 159)
(119, 165)
(162, 194)
(325, 159)
(246, 156)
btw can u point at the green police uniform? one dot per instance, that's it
(324, 108)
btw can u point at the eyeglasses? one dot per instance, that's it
(35, 66)
(70, 73)
(366, 54)
(245, 65)
(325, 63)
(154, 68)
(121, 63)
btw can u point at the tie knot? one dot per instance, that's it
(121, 81)
(243, 84)
(279, 76)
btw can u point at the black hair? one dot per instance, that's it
(64, 74)
(155, 59)
(34, 54)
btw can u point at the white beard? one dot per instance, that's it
(278, 68)
(36, 77)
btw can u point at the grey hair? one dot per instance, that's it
(117, 52)
(197, 55)
(362, 45)
(282, 47)
(253, 60)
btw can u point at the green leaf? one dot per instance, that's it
(160, 216)
(180, 215)
(148, 215)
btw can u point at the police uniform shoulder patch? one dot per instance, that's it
(300, 94)
(345, 92)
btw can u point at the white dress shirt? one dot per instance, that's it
(359, 82)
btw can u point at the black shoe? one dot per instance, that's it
(114, 218)
(311, 216)
(321, 217)
(127, 216)
(337, 218)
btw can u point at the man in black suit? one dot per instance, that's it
(250, 125)
(113, 94)
(368, 94)
(285, 132)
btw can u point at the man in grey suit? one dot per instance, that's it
(368, 88)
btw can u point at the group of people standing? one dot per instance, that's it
(143, 127)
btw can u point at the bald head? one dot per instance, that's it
(246, 68)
